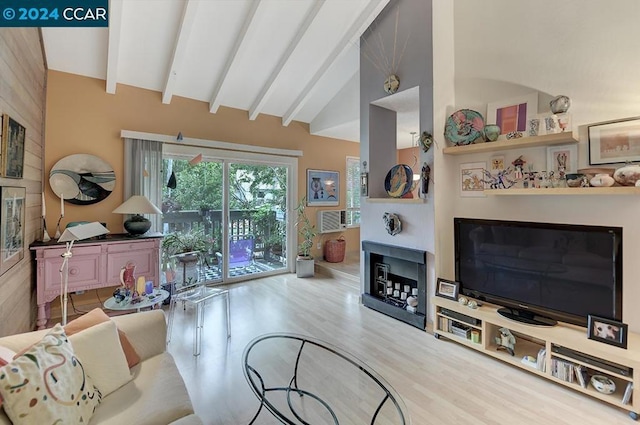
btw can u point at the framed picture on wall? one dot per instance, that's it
(12, 226)
(472, 179)
(562, 159)
(513, 114)
(13, 136)
(614, 141)
(323, 188)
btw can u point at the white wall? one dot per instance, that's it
(587, 50)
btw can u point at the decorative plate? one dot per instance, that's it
(398, 180)
(82, 179)
(464, 127)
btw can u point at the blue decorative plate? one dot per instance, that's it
(398, 181)
(464, 127)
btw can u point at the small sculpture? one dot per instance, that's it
(506, 341)
(560, 104)
(392, 223)
(518, 163)
(514, 135)
(426, 140)
(499, 180)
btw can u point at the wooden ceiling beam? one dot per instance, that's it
(218, 92)
(182, 40)
(359, 26)
(269, 86)
(113, 47)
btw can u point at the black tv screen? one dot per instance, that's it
(564, 272)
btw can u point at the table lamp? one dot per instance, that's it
(137, 225)
(70, 235)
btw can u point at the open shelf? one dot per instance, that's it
(521, 143)
(395, 200)
(531, 339)
(615, 190)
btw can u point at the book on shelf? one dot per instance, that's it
(626, 398)
(562, 369)
(541, 360)
(581, 375)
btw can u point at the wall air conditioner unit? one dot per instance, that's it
(332, 221)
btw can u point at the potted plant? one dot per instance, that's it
(305, 263)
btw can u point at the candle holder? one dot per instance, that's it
(58, 232)
(45, 234)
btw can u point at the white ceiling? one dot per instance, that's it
(278, 57)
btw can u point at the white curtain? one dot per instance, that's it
(143, 174)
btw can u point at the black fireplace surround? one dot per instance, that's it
(405, 266)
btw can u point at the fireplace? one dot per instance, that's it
(392, 274)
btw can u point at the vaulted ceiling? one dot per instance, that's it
(279, 57)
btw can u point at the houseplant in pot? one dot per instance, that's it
(305, 263)
(190, 243)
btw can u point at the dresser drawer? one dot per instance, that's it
(84, 272)
(76, 250)
(130, 246)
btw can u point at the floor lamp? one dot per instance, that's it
(70, 235)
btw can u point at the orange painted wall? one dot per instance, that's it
(83, 118)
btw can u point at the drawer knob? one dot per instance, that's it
(73, 271)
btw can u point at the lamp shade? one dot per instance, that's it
(137, 204)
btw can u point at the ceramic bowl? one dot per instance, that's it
(603, 384)
(574, 179)
(591, 172)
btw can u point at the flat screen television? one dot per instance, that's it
(541, 272)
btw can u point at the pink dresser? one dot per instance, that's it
(94, 264)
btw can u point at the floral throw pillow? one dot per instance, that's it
(47, 384)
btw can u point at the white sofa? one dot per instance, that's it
(155, 396)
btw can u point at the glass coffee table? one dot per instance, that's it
(302, 380)
(147, 301)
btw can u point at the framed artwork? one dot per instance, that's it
(447, 289)
(12, 227)
(513, 114)
(562, 159)
(323, 188)
(472, 179)
(613, 142)
(497, 164)
(13, 136)
(608, 331)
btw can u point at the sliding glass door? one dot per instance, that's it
(234, 210)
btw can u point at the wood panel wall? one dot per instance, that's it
(22, 97)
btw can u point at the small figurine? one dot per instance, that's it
(506, 341)
(426, 171)
(518, 163)
(499, 180)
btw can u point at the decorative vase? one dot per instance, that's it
(602, 180)
(491, 132)
(560, 104)
(627, 175)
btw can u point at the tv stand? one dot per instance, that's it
(525, 316)
(558, 353)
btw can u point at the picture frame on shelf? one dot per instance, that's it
(565, 156)
(607, 331)
(612, 142)
(13, 139)
(447, 289)
(323, 188)
(513, 114)
(472, 182)
(12, 228)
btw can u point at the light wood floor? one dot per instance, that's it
(441, 382)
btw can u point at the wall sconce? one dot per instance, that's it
(364, 180)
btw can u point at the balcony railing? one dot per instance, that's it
(241, 223)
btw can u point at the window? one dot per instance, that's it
(353, 191)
